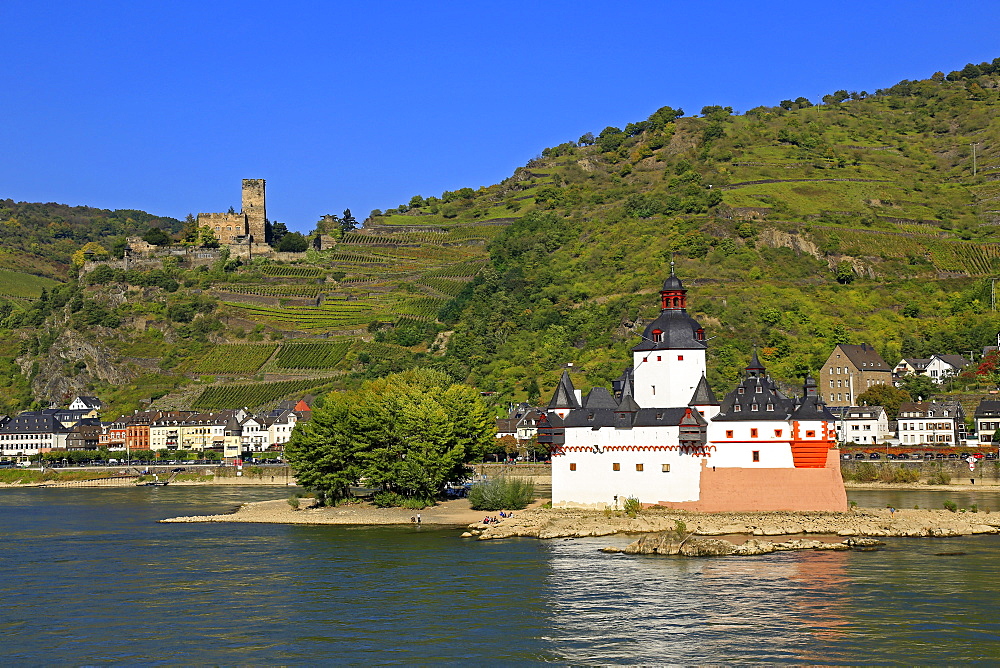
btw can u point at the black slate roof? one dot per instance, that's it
(599, 397)
(565, 394)
(33, 423)
(643, 417)
(988, 408)
(755, 398)
(678, 331)
(703, 395)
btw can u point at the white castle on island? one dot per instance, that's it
(661, 437)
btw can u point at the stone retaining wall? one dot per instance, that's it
(987, 470)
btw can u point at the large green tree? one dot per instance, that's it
(409, 433)
(887, 396)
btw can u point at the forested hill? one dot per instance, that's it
(54, 231)
(863, 218)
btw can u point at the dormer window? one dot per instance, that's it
(754, 407)
(759, 389)
(657, 336)
(736, 408)
(739, 390)
(770, 407)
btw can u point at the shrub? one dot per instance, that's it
(865, 472)
(940, 478)
(502, 493)
(951, 505)
(388, 500)
(899, 474)
(631, 506)
(293, 501)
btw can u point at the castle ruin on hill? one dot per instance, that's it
(246, 228)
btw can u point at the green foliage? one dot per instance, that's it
(898, 474)
(293, 242)
(919, 387)
(951, 505)
(502, 493)
(156, 236)
(408, 434)
(631, 506)
(939, 477)
(887, 396)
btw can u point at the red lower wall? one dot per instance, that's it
(742, 490)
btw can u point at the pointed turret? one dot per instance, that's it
(623, 384)
(755, 369)
(564, 397)
(703, 395)
(626, 413)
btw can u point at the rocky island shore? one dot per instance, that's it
(860, 522)
(540, 522)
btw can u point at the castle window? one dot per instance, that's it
(777, 433)
(572, 466)
(616, 467)
(659, 358)
(638, 467)
(665, 468)
(753, 433)
(700, 335)
(737, 408)
(659, 416)
(770, 407)
(810, 434)
(657, 336)
(759, 389)
(754, 407)
(739, 390)
(218, 228)
(756, 455)
(680, 358)
(729, 433)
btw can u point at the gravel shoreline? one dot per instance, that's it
(453, 513)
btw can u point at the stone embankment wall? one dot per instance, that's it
(986, 470)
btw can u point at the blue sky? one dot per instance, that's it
(165, 106)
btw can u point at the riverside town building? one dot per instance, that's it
(662, 437)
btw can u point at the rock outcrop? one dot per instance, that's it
(674, 543)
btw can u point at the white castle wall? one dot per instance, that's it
(595, 483)
(666, 378)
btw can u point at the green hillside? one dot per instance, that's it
(863, 218)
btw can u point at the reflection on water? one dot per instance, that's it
(901, 605)
(90, 577)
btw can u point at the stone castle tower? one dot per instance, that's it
(245, 226)
(254, 209)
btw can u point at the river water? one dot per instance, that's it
(89, 577)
